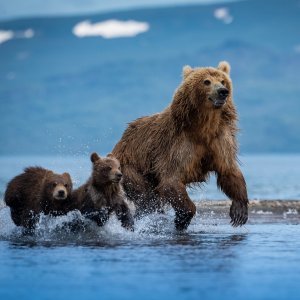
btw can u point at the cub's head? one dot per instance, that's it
(59, 187)
(106, 170)
(210, 87)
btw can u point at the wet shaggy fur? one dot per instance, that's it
(38, 190)
(103, 194)
(194, 136)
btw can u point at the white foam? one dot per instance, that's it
(262, 212)
(74, 228)
(7, 226)
(223, 14)
(290, 211)
(110, 29)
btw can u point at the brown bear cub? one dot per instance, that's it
(38, 190)
(103, 194)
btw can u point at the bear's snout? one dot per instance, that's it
(219, 96)
(117, 177)
(60, 192)
(223, 93)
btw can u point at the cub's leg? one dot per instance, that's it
(29, 219)
(124, 215)
(100, 217)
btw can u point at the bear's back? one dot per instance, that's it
(25, 188)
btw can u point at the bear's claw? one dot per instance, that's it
(238, 213)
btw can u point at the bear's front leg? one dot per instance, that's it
(234, 186)
(175, 193)
(29, 219)
(99, 216)
(124, 215)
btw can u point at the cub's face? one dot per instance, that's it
(59, 186)
(106, 170)
(211, 86)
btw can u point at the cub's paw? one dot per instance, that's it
(128, 223)
(238, 213)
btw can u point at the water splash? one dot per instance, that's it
(73, 228)
(212, 217)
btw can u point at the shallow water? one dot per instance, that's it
(211, 260)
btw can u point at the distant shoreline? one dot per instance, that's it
(260, 211)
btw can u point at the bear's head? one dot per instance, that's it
(202, 89)
(58, 187)
(106, 170)
(204, 94)
(208, 87)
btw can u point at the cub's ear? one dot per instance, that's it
(110, 155)
(66, 176)
(186, 71)
(94, 157)
(224, 66)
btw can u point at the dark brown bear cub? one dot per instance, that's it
(38, 190)
(103, 194)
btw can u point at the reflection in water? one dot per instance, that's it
(206, 252)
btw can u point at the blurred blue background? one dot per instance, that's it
(69, 87)
(73, 73)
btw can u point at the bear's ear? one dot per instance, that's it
(94, 157)
(67, 177)
(224, 66)
(186, 71)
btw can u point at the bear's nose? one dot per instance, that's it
(119, 175)
(223, 93)
(61, 193)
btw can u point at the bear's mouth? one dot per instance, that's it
(116, 180)
(217, 103)
(57, 197)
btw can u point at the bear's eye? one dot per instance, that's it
(54, 184)
(207, 82)
(108, 168)
(66, 185)
(223, 82)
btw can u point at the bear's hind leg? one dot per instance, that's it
(139, 190)
(177, 196)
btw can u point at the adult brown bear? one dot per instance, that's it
(195, 135)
